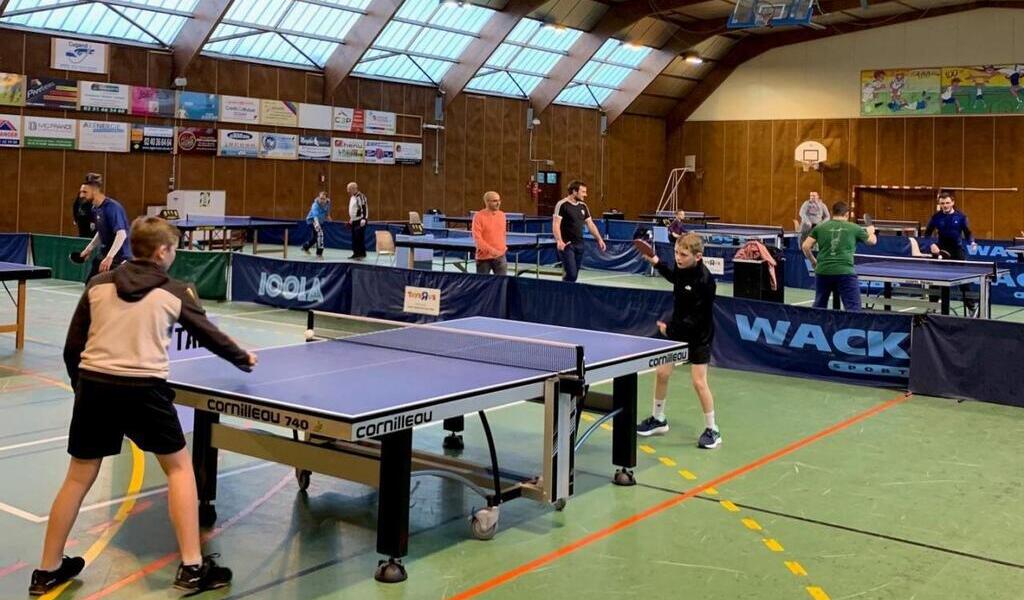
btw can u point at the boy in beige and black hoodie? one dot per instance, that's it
(116, 356)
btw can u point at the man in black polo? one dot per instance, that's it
(111, 228)
(571, 214)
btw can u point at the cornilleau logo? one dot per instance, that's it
(290, 287)
(850, 341)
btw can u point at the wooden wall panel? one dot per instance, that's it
(128, 65)
(712, 145)
(735, 176)
(233, 82)
(477, 180)
(10, 174)
(920, 169)
(453, 202)
(863, 166)
(784, 141)
(229, 175)
(692, 189)
(289, 200)
(835, 177)
(1009, 166)
(979, 171)
(41, 198)
(12, 58)
(759, 177)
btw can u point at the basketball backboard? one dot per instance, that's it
(749, 14)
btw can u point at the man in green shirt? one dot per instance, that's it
(834, 271)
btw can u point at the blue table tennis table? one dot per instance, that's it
(515, 222)
(736, 234)
(209, 224)
(20, 273)
(665, 217)
(923, 274)
(352, 404)
(464, 244)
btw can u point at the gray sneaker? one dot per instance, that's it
(651, 426)
(709, 439)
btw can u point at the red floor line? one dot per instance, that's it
(4, 572)
(554, 555)
(168, 559)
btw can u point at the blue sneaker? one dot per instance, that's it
(709, 439)
(651, 426)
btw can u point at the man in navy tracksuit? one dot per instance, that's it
(953, 230)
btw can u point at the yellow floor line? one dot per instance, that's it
(817, 593)
(773, 544)
(796, 568)
(752, 524)
(687, 475)
(134, 485)
(668, 462)
(729, 506)
(645, 448)
(711, 491)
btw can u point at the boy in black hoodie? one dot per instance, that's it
(693, 293)
(116, 356)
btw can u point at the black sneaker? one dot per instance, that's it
(709, 439)
(305, 249)
(651, 426)
(44, 581)
(207, 576)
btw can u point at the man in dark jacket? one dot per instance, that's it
(81, 211)
(693, 295)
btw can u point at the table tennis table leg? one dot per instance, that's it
(255, 241)
(393, 505)
(285, 243)
(944, 298)
(204, 463)
(887, 293)
(19, 334)
(454, 426)
(624, 429)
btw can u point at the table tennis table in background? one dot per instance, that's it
(895, 227)
(20, 273)
(665, 217)
(515, 222)
(927, 280)
(352, 404)
(515, 242)
(735, 234)
(223, 225)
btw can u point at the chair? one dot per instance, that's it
(385, 246)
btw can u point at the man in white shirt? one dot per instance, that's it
(358, 213)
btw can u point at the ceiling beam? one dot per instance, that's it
(363, 33)
(616, 19)
(3, 6)
(480, 49)
(192, 37)
(637, 81)
(755, 45)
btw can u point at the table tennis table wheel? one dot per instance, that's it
(390, 571)
(484, 523)
(624, 477)
(302, 477)
(207, 515)
(453, 441)
(559, 504)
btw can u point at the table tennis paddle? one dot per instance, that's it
(76, 257)
(643, 248)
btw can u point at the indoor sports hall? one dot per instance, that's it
(423, 299)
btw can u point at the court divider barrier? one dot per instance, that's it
(967, 359)
(291, 283)
(207, 270)
(14, 247)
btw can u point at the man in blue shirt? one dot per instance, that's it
(953, 230)
(111, 226)
(319, 213)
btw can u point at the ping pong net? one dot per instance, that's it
(449, 342)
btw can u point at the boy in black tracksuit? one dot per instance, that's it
(116, 357)
(693, 293)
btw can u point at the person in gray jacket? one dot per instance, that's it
(812, 212)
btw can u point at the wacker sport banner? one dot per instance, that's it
(863, 348)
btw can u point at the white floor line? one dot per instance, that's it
(34, 518)
(35, 443)
(802, 302)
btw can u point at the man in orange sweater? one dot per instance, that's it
(489, 235)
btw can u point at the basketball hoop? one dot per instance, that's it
(810, 155)
(807, 165)
(765, 13)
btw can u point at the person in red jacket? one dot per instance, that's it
(489, 229)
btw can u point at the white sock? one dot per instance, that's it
(709, 421)
(659, 409)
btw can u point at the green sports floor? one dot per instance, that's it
(819, 491)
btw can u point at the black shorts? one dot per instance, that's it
(106, 411)
(700, 355)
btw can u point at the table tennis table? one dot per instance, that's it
(665, 217)
(210, 224)
(352, 404)
(20, 273)
(516, 243)
(895, 227)
(516, 222)
(735, 234)
(923, 276)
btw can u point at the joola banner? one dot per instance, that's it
(290, 284)
(856, 348)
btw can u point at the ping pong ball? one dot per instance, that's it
(309, 334)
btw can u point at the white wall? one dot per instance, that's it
(821, 79)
